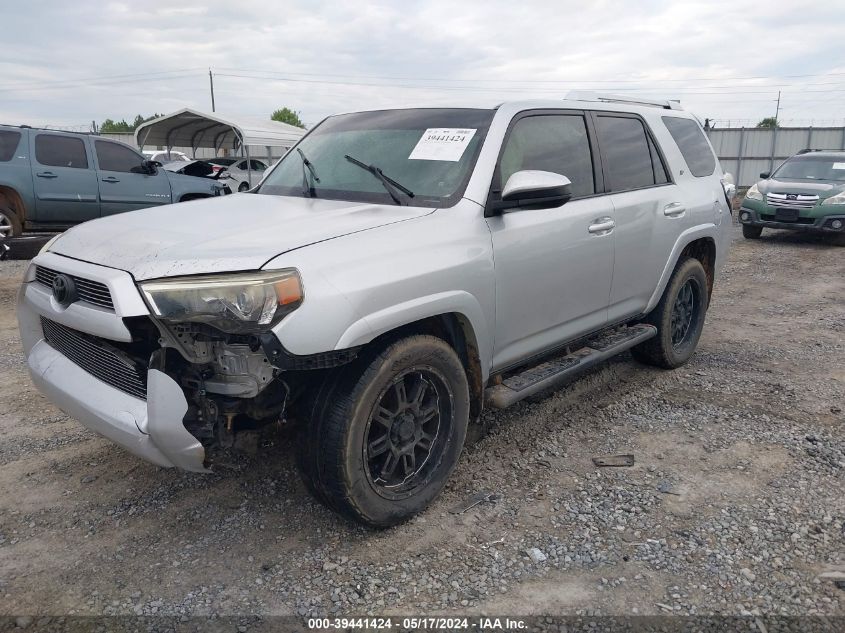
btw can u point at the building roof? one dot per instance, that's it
(194, 129)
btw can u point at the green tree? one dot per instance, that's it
(768, 122)
(110, 126)
(286, 115)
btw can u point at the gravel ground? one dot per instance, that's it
(734, 506)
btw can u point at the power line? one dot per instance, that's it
(682, 91)
(64, 81)
(576, 81)
(90, 84)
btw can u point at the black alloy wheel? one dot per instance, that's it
(402, 435)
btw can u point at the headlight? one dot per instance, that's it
(239, 304)
(753, 193)
(49, 243)
(839, 198)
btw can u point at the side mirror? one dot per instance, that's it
(765, 174)
(532, 189)
(150, 166)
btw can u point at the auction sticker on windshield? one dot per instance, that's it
(839, 165)
(442, 144)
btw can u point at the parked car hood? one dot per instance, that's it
(229, 233)
(821, 188)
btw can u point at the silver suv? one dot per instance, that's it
(393, 274)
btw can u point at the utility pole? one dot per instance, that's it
(211, 84)
(774, 135)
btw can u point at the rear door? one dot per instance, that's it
(553, 266)
(123, 182)
(649, 209)
(64, 179)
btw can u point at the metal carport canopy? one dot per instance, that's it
(195, 129)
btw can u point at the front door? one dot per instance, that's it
(64, 179)
(553, 266)
(124, 183)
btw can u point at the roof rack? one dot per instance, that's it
(808, 150)
(589, 95)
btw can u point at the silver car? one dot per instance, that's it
(396, 272)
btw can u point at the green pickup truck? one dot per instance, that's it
(52, 180)
(806, 193)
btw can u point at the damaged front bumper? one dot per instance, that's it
(152, 429)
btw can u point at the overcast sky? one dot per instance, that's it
(68, 63)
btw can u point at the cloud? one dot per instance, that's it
(347, 55)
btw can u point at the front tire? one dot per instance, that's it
(751, 232)
(244, 186)
(386, 432)
(679, 318)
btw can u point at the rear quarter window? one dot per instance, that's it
(694, 148)
(8, 144)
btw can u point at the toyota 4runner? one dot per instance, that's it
(393, 274)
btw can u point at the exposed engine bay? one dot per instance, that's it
(236, 384)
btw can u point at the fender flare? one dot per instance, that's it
(11, 193)
(374, 324)
(684, 239)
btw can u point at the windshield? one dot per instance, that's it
(812, 168)
(431, 152)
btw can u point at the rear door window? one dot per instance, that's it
(115, 157)
(550, 142)
(693, 145)
(625, 149)
(54, 150)
(8, 144)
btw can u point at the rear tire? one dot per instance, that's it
(10, 223)
(386, 432)
(243, 187)
(751, 232)
(679, 318)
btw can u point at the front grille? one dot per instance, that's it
(89, 291)
(98, 357)
(801, 200)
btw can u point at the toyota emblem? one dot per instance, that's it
(64, 290)
(792, 196)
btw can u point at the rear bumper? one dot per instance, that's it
(151, 429)
(819, 225)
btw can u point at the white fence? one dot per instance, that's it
(745, 152)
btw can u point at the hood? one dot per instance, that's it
(822, 189)
(230, 233)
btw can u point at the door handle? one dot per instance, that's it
(674, 210)
(111, 179)
(46, 174)
(601, 226)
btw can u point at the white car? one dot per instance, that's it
(164, 157)
(237, 170)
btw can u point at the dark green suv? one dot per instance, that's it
(806, 193)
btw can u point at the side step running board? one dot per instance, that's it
(555, 372)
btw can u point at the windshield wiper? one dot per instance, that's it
(389, 184)
(308, 166)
